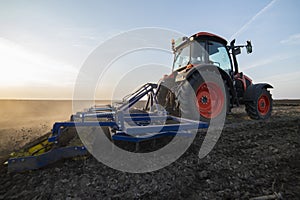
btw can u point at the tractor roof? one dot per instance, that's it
(209, 35)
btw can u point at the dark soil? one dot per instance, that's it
(251, 159)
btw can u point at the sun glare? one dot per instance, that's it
(20, 66)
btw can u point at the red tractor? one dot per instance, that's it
(205, 80)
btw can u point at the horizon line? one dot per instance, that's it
(69, 99)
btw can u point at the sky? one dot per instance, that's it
(43, 44)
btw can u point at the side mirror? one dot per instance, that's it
(249, 47)
(236, 50)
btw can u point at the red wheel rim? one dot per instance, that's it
(263, 104)
(210, 100)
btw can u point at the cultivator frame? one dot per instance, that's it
(116, 117)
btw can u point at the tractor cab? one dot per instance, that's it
(200, 49)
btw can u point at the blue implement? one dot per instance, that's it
(124, 126)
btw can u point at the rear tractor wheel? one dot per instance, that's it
(204, 97)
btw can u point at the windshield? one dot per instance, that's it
(193, 53)
(219, 56)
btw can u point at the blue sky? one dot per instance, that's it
(43, 44)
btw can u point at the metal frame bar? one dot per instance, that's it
(137, 95)
(185, 124)
(42, 160)
(57, 127)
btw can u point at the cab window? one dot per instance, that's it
(218, 56)
(182, 57)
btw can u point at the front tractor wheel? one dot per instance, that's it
(261, 107)
(204, 97)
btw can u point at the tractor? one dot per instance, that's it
(205, 84)
(207, 65)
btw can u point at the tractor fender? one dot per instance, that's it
(201, 68)
(251, 90)
(211, 68)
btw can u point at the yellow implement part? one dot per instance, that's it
(40, 148)
(36, 147)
